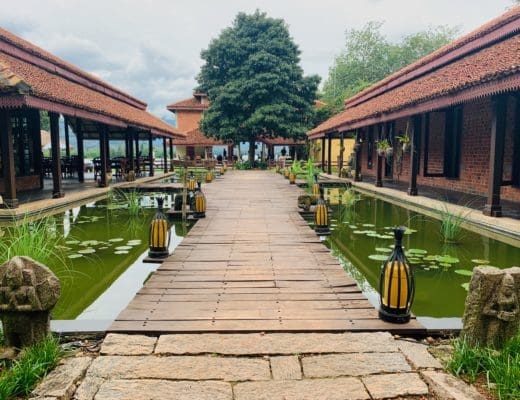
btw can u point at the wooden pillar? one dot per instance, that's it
(357, 150)
(81, 152)
(323, 153)
(6, 144)
(57, 184)
(341, 151)
(415, 152)
(103, 153)
(171, 154)
(130, 156)
(67, 138)
(496, 159)
(35, 132)
(379, 166)
(516, 144)
(230, 153)
(165, 156)
(329, 153)
(137, 153)
(150, 153)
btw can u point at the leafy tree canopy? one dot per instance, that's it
(369, 57)
(255, 84)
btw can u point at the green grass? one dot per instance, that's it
(500, 368)
(31, 365)
(451, 224)
(39, 239)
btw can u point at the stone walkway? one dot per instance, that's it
(275, 366)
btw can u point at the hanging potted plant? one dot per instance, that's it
(383, 148)
(404, 140)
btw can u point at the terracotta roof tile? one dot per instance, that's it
(279, 141)
(490, 70)
(34, 76)
(188, 104)
(196, 138)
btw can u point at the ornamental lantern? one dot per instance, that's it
(209, 176)
(396, 284)
(159, 233)
(286, 173)
(321, 219)
(316, 188)
(292, 178)
(192, 183)
(222, 170)
(200, 204)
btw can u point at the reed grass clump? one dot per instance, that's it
(451, 224)
(33, 363)
(500, 369)
(39, 239)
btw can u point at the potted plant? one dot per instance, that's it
(383, 148)
(404, 139)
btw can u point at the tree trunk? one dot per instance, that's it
(252, 142)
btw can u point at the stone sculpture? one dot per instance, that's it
(28, 292)
(492, 311)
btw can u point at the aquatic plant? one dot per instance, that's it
(38, 239)
(310, 170)
(451, 224)
(132, 200)
(296, 167)
(32, 364)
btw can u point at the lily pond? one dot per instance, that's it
(362, 239)
(99, 258)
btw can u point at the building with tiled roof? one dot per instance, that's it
(33, 80)
(458, 107)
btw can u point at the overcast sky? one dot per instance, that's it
(151, 48)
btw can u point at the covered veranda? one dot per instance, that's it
(33, 83)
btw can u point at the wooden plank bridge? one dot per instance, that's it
(252, 265)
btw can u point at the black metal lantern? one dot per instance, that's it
(321, 217)
(159, 233)
(192, 183)
(292, 178)
(396, 285)
(200, 204)
(316, 187)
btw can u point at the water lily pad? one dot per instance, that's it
(116, 240)
(123, 248)
(447, 259)
(417, 251)
(134, 242)
(479, 261)
(383, 249)
(121, 252)
(386, 237)
(409, 231)
(445, 265)
(75, 255)
(103, 248)
(72, 242)
(372, 234)
(352, 226)
(464, 272)
(368, 225)
(465, 286)
(378, 257)
(88, 250)
(88, 243)
(358, 232)
(414, 260)
(430, 258)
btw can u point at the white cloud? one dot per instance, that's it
(151, 48)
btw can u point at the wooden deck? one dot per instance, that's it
(252, 265)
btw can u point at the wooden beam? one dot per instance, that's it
(81, 152)
(35, 133)
(379, 166)
(323, 153)
(6, 144)
(415, 152)
(150, 153)
(515, 176)
(57, 184)
(137, 154)
(329, 153)
(171, 154)
(341, 151)
(496, 159)
(103, 151)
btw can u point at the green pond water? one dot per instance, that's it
(364, 239)
(104, 247)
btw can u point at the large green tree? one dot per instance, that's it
(369, 57)
(255, 84)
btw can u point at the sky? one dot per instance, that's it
(151, 48)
